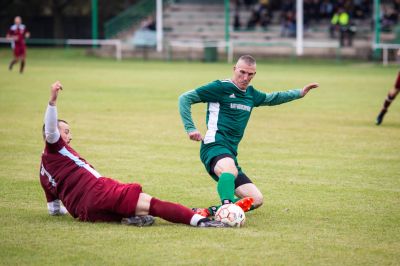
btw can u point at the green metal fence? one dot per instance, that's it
(128, 18)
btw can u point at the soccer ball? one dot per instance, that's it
(230, 214)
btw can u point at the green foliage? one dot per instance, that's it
(330, 177)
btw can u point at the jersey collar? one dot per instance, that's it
(243, 91)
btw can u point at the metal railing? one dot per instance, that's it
(81, 42)
(385, 47)
(196, 44)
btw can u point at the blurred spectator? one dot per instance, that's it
(341, 22)
(260, 15)
(307, 9)
(236, 20)
(326, 9)
(148, 24)
(287, 5)
(248, 4)
(360, 9)
(311, 11)
(288, 24)
(388, 18)
(253, 20)
(266, 18)
(265, 14)
(316, 10)
(396, 6)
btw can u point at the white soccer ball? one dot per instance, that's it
(230, 214)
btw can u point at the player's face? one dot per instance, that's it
(65, 132)
(243, 74)
(17, 20)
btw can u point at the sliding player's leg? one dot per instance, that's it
(172, 212)
(111, 200)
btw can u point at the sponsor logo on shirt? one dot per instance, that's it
(232, 95)
(240, 107)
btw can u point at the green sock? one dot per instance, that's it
(235, 199)
(226, 187)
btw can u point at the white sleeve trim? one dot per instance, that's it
(51, 125)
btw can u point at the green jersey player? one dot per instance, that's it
(230, 103)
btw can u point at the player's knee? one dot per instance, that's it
(143, 204)
(227, 168)
(233, 170)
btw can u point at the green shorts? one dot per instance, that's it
(212, 150)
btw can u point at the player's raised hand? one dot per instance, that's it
(308, 87)
(54, 89)
(195, 135)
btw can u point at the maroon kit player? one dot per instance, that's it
(17, 34)
(390, 97)
(68, 179)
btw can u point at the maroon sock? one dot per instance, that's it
(171, 212)
(21, 67)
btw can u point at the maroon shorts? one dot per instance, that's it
(19, 51)
(110, 200)
(397, 84)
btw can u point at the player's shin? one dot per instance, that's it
(22, 66)
(12, 64)
(226, 188)
(173, 212)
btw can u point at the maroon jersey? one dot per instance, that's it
(18, 44)
(66, 176)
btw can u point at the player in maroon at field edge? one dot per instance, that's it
(69, 179)
(390, 97)
(17, 34)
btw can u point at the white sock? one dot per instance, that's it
(195, 219)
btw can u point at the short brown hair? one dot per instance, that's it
(248, 59)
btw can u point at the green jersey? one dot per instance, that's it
(229, 109)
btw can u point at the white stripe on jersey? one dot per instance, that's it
(212, 125)
(78, 162)
(15, 27)
(43, 171)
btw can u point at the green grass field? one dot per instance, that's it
(329, 176)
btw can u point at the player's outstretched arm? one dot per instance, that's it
(50, 119)
(185, 102)
(54, 89)
(309, 87)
